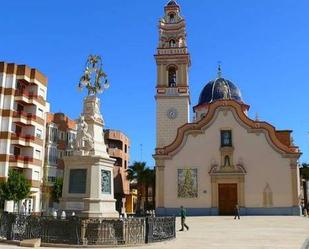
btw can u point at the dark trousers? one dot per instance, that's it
(183, 224)
(236, 215)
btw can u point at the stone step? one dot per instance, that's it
(30, 243)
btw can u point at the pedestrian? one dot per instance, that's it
(236, 212)
(23, 208)
(183, 218)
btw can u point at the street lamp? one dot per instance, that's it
(93, 78)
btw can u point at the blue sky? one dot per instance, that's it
(263, 46)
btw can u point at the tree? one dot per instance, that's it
(57, 189)
(144, 178)
(16, 188)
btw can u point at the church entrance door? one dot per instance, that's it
(227, 198)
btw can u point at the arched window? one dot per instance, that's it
(172, 43)
(172, 77)
(172, 17)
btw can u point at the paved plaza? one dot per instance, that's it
(250, 232)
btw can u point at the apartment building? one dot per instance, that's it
(60, 137)
(22, 127)
(118, 147)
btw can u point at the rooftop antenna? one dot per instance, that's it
(219, 73)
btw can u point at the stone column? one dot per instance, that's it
(159, 184)
(294, 182)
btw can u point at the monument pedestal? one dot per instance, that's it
(88, 186)
(88, 183)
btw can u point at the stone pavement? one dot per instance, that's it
(250, 232)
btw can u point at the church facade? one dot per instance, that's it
(223, 158)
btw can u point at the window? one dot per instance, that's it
(52, 155)
(53, 134)
(40, 113)
(51, 179)
(20, 108)
(38, 154)
(226, 138)
(36, 175)
(125, 148)
(18, 130)
(172, 43)
(172, 17)
(60, 153)
(39, 133)
(16, 151)
(42, 93)
(172, 77)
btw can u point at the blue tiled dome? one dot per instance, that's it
(172, 2)
(219, 88)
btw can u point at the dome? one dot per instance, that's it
(219, 88)
(171, 3)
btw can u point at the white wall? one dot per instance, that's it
(262, 162)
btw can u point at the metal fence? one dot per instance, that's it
(79, 231)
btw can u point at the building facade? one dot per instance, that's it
(118, 145)
(22, 127)
(223, 158)
(60, 138)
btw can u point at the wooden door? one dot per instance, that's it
(227, 198)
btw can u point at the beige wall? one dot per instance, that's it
(167, 128)
(262, 163)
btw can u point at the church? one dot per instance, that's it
(222, 158)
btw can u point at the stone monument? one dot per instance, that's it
(88, 186)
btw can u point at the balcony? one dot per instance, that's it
(26, 118)
(29, 97)
(25, 140)
(175, 50)
(115, 152)
(23, 161)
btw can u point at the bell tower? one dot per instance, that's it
(172, 89)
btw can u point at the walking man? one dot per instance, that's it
(183, 218)
(236, 212)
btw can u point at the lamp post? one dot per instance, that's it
(93, 78)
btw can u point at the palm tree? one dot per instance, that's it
(143, 177)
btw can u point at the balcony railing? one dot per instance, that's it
(115, 152)
(30, 95)
(26, 137)
(26, 115)
(25, 159)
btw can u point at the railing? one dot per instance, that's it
(26, 137)
(172, 50)
(160, 228)
(30, 95)
(26, 115)
(15, 158)
(80, 231)
(115, 152)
